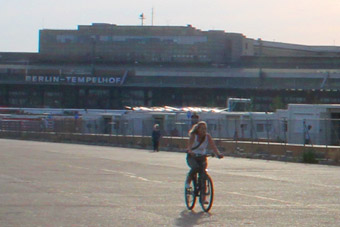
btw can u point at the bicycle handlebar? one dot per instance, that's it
(203, 155)
(210, 154)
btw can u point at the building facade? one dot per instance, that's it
(106, 66)
(114, 87)
(144, 44)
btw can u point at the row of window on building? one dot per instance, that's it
(117, 98)
(182, 40)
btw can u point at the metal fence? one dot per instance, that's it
(298, 131)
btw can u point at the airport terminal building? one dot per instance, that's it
(106, 66)
(118, 86)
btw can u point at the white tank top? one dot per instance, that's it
(202, 149)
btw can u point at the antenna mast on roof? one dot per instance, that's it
(142, 18)
(152, 17)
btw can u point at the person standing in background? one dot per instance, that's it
(307, 135)
(156, 137)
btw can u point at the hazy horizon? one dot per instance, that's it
(305, 22)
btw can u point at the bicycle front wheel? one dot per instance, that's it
(190, 195)
(207, 193)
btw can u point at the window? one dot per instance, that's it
(52, 99)
(97, 98)
(133, 98)
(244, 127)
(260, 128)
(66, 38)
(268, 127)
(104, 38)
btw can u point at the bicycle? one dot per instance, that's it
(200, 186)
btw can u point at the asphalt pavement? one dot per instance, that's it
(55, 184)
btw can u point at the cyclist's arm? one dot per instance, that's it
(213, 146)
(191, 143)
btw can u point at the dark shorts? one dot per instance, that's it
(196, 164)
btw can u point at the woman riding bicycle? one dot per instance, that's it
(199, 140)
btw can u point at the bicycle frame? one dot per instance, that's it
(198, 181)
(202, 188)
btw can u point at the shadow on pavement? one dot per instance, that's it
(192, 218)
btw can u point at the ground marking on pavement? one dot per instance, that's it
(15, 179)
(287, 203)
(280, 180)
(264, 198)
(132, 175)
(127, 174)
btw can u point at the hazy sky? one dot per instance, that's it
(310, 22)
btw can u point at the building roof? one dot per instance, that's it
(297, 46)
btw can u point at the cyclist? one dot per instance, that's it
(199, 140)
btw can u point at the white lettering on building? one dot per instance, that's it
(73, 79)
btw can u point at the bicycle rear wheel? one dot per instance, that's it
(190, 195)
(207, 193)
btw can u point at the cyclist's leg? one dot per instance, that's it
(194, 168)
(202, 167)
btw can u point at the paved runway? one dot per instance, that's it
(54, 184)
